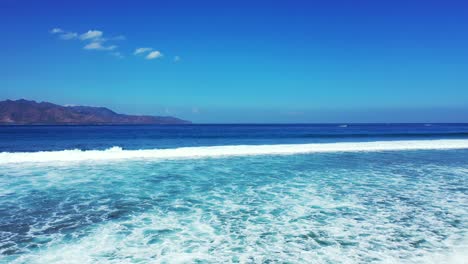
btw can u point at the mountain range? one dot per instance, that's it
(26, 112)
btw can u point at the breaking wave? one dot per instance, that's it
(117, 153)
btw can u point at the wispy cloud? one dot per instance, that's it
(96, 40)
(98, 46)
(69, 35)
(56, 30)
(142, 50)
(150, 53)
(91, 34)
(66, 35)
(154, 55)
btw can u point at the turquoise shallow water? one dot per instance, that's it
(356, 207)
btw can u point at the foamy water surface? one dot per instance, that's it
(355, 203)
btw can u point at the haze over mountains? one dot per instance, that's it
(25, 112)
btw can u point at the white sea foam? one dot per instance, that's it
(235, 229)
(238, 211)
(116, 153)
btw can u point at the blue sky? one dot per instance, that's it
(242, 61)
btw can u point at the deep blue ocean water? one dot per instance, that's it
(42, 138)
(342, 204)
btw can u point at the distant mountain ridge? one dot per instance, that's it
(25, 112)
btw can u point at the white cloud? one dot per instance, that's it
(56, 30)
(151, 54)
(69, 35)
(142, 50)
(95, 40)
(154, 55)
(98, 46)
(91, 34)
(63, 34)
